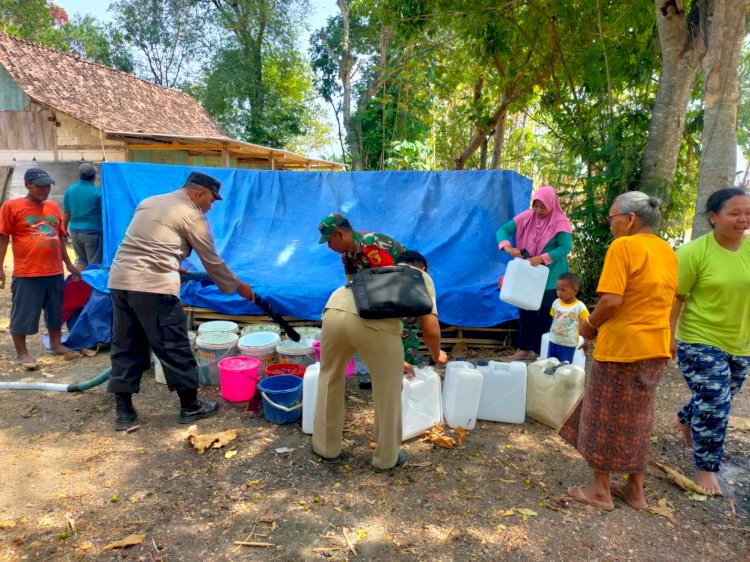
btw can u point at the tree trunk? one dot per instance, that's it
(682, 44)
(721, 96)
(519, 151)
(346, 70)
(497, 148)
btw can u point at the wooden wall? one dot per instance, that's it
(27, 131)
(184, 158)
(41, 134)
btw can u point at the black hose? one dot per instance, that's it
(260, 301)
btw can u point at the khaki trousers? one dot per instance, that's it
(342, 334)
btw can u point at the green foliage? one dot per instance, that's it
(409, 156)
(97, 42)
(257, 85)
(165, 34)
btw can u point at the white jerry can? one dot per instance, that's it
(553, 390)
(503, 397)
(421, 406)
(524, 284)
(579, 357)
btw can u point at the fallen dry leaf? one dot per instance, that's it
(461, 434)
(202, 443)
(231, 453)
(267, 518)
(7, 524)
(694, 496)
(663, 508)
(437, 436)
(739, 423)
(679, 479)
(130, 540)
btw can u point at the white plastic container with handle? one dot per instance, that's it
(579, 357)
(309, 395)
(421, 406)
(503, 396)
(524, 284)
(461, 397)
(553, 390)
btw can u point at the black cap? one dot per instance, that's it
(37, 176)
(206, 181)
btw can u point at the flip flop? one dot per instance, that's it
(616, 489)
(576, 492)
(28, 365)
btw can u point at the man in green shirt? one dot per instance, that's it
(82, 217)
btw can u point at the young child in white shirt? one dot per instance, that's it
(567, 313)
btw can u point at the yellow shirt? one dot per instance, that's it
(642, 269)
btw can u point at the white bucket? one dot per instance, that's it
(300, 352)
(159, 370)
(308, 332)
(212, 348)
(262, 346)
(261, 327)
(219, 326)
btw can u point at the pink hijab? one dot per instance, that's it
(532, 232)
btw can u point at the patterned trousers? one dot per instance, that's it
(714, 377)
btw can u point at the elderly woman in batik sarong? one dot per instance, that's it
(611, 425)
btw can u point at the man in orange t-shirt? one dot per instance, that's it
(34, 226)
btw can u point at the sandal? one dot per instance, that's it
(29, 365)
(577, 493)
(616, 489)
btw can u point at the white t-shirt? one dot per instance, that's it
(566, 318)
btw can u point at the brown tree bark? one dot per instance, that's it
(497, 147)
(726, 31)
(682, 44)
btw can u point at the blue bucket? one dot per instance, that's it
(282, 398)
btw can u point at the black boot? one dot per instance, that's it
(192, 409)
(125, 414)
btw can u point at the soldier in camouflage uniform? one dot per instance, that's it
(412, 326)
(359, 249)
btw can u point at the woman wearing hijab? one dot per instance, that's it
(545, 232)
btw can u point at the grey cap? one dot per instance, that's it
(37, 176)
(86, 171)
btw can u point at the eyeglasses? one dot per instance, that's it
(610, 217)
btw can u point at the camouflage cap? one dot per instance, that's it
(329, 224)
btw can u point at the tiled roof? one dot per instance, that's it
(107, 99)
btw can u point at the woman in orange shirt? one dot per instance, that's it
(611, 426)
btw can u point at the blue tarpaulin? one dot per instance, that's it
(266, 230)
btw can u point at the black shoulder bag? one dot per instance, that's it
(395, 291)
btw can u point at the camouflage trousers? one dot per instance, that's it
(714, 377)
(410, 340)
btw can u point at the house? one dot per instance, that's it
(57, 109)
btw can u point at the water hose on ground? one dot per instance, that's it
(104, 375)
(74, 387)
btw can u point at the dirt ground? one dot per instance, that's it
(71, 485)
